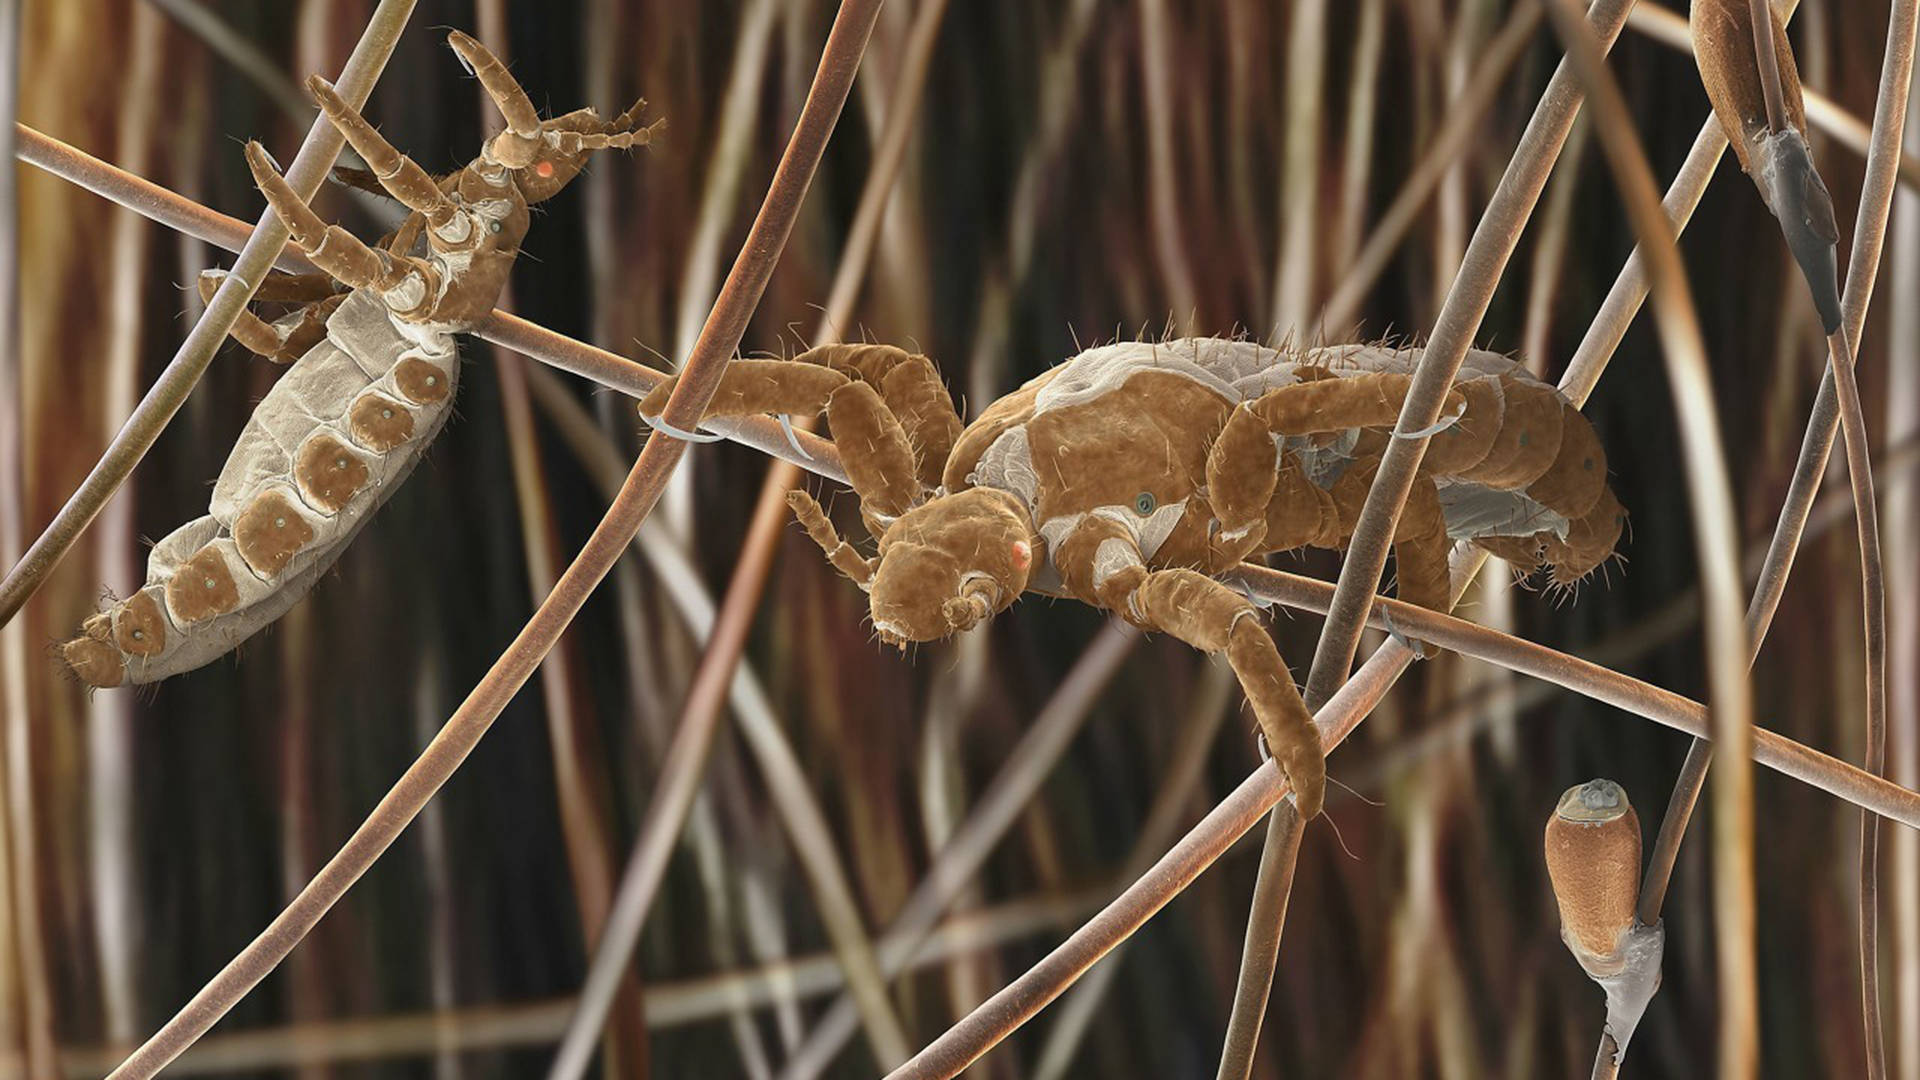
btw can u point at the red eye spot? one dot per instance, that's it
(1022, 554)
(545, 168)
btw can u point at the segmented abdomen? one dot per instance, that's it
(1517, 469)
(326, 446)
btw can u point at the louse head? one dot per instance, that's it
(544, 155)
(950, 564)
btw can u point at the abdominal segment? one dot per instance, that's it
(326, 446)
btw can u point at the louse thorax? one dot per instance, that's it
(476, 254)
(497, 202)
(950, 564)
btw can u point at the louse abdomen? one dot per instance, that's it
(327, 445)
(1518, 469)
(1523, 475)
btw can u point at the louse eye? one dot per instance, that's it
(496, 226)
(1143, 503)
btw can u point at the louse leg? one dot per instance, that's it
(876, 452)
(857, 567)
(338, 252)
(310, 325)
(1241, 474)
(1099, 563)
(1301, 512)
(359, 180)
(913, 392)
(281, 288)
(268, 341)
(873, 446)
(1420, 549)
(1420, 543)
(751, 387)
(514, 104)
(402, 178)
(286, 339)
(403, 238)
(1372, 401)
(1327, 405)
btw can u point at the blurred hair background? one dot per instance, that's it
(1079, 170)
